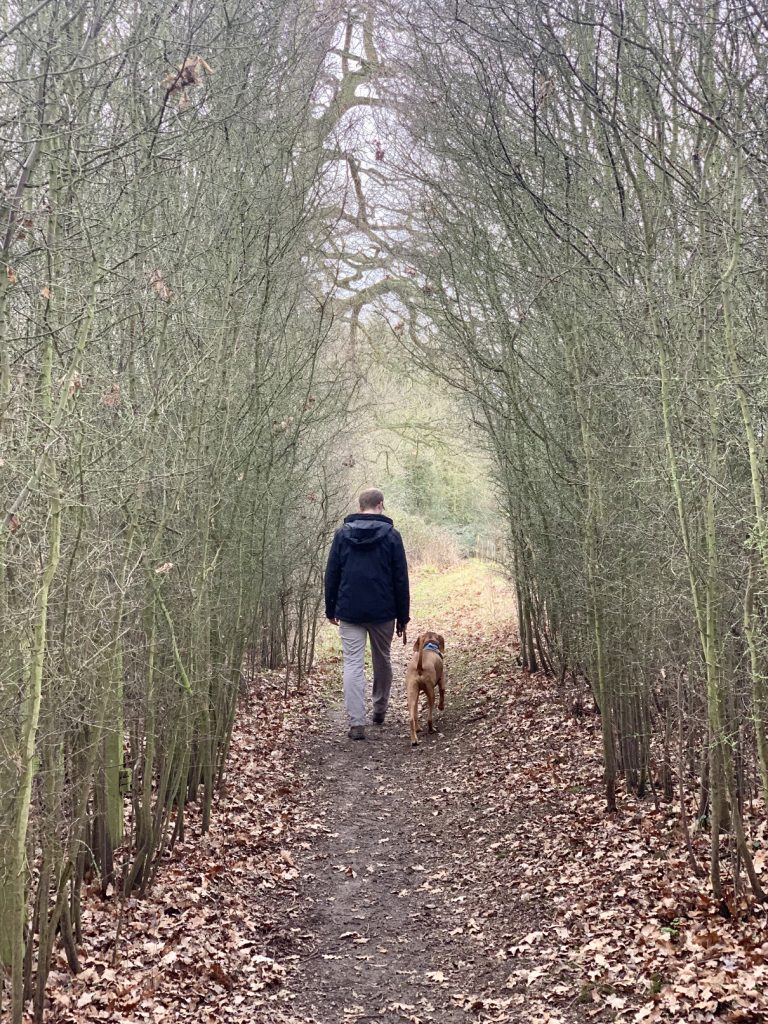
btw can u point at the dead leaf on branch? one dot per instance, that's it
(160, 286)
(187, 75)
(112, 399)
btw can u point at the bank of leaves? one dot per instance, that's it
(217, 935)
(595, 917)
(631, 935)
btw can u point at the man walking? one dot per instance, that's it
(367, 595)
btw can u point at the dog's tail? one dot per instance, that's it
(419, 665)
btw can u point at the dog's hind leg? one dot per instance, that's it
(441, 701)
(413, 713)
(431, 706)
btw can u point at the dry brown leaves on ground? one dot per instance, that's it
(544, 909)
(633, 935)
(217, 935)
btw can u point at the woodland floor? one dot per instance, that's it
(475, 878)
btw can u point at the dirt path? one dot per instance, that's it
(394, 933)
(411, 906)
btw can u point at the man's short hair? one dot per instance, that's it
(370, 498)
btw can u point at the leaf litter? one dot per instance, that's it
(476, 878)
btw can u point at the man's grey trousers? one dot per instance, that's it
(353, 637)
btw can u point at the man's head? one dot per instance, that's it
(371, 500)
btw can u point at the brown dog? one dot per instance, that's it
(424, 673)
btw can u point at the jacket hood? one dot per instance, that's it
(365, 530)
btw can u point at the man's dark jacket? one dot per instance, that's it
(366, 579)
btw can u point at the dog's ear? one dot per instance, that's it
(416, 642)
(440, 642)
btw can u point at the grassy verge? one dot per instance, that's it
(470, 603)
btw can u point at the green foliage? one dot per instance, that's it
(419, 445)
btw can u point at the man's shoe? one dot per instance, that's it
(357, 732)
(378, 718)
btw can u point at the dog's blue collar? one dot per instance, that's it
(432, 647)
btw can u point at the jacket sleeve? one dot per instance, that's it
(332, 578)
(400, 580)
